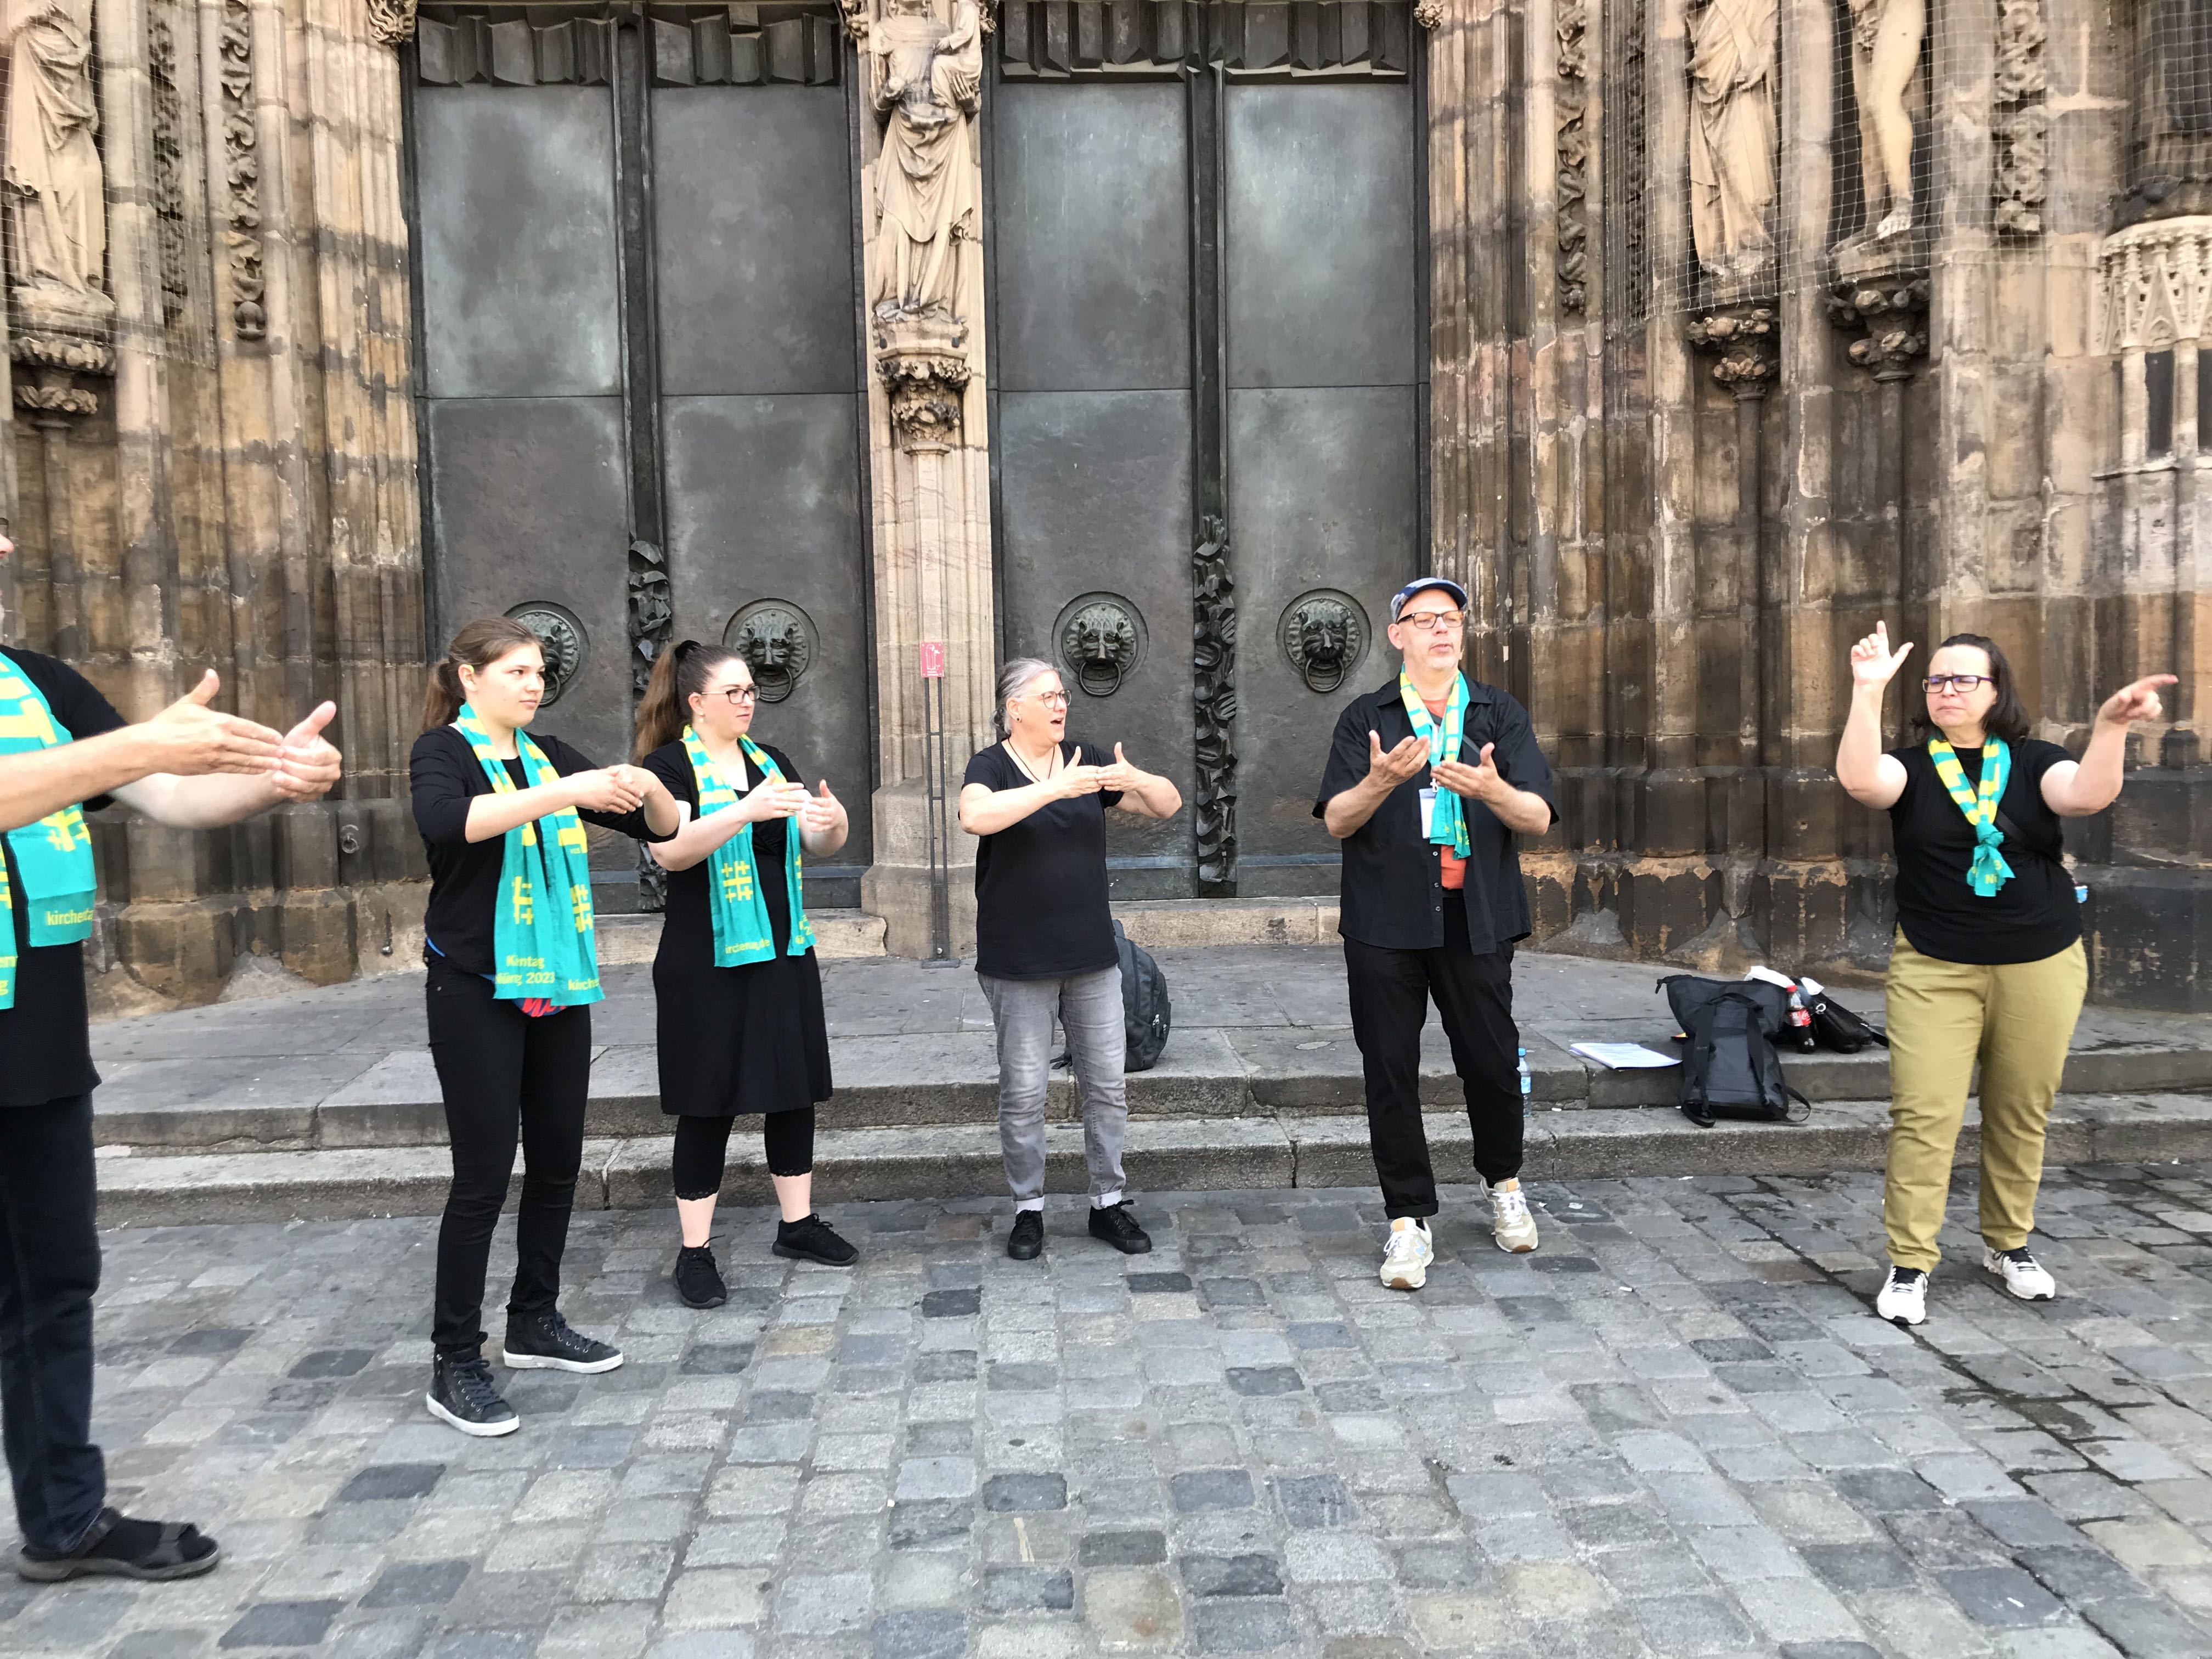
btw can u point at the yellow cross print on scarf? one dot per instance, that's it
(524, 908)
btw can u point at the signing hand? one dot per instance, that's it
(310, 764)
(1120, 775)
(608, 789)
(2136, 702)
(1075, 778)
(1873, 663)
(192, 740)
(1389, 771)
(822, 812)
(1480, 781)
(773, 800)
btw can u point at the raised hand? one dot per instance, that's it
(1076, 778)
(607, 789)
(1873, 663)
(1120, 775)
(310, 764)
(821, 812)
(2139, 701)
(1480, 781)
(1391, 770)
(192, 740)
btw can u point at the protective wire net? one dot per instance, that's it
(1626, 165)
(2170, 132)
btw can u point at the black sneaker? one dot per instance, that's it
(463, 1394)
(1026, 1240)
(813, 1239)
(1114, 1224)
(698, 1280)
(544, 1342)
(120, 1547)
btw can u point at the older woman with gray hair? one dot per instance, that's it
(1044, 940)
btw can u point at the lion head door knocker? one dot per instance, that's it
(777, 642)
(1324, 635)
(563, 636)
(1101, 638)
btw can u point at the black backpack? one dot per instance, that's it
(1729, 1068)
(1145, 1014)
(1836, 1027)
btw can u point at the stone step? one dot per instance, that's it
(839, 936)
(1189, 1153)
(945, 1078)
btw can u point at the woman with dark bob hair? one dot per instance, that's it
(1987, 964)
(741, 1028)
(514, 970)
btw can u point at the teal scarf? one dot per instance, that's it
(1989, 870)
(1448, 821)
(543, 946)
(742, 933)
(54, 854)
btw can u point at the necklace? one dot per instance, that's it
(1051, 767)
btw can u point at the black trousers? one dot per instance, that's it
(703, 1148)
(49, 1269)
(503, 1074)
(1390, 993)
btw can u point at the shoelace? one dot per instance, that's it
(1404, 1242)
(2019, 1258)
(559, 1333)
(472, 1382)
(1510, 1205)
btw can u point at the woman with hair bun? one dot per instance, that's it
(514, 968)
(740, 1023)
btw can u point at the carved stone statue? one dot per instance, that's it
(56, 194)
(927, 78)
(1732, 48)
(1886, 37)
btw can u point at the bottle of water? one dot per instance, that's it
(1527, 1082)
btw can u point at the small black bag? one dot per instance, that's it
(1145, 1012)
(1836, 1027)
(1729, 1068)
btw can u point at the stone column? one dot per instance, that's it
(919, 64)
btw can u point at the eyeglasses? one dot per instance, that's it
(739, 695)
(1956, 682)
(1428, 621)
(1051, 698)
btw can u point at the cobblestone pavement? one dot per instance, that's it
(1676, 1430)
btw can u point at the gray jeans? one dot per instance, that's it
(1089, 1009)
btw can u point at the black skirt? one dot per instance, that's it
(750, 1039)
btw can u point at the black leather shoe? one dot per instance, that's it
(1026, 1242)
(546, 1342)
(1117, 1227)
(813, 1239)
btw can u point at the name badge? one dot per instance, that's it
(1428, 810)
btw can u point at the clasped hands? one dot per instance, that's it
(1389, 768)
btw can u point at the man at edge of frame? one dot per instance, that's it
(63, 749)
(1429, 781)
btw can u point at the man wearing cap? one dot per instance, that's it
(63, 748)
(1430, 779)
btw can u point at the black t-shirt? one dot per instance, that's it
(1392, 892)
(445, 776)
(1041, 885)
(2031, 916)
(46, 1041)
(687, 929)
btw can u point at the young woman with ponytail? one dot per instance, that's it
(741, 1028)
(514, 970)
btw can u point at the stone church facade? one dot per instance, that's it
(1160, 338)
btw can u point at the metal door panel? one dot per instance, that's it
(1095, 498)
(531, 505)
(1322, 213)
(763, 502)
(1093, 237)
(517, 240)
(1323, 487)
(753, 240)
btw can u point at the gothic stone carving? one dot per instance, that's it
(2017, 119)
(1429, 13)
(1213, 697)
(1570, 227)
(1732, 86)
(1101, 638)
(2154, 285)
(56, 188)
(563, 638)
(391, 22)
(926, 367)
(651, 617)
(1744, 340)
(1886, 37)
(168, 166)
(1325, 634)
(777, 642)
(1886, 301)
(242, 169)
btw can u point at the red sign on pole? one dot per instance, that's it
(932, 660)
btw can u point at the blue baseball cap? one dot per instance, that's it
(1422, 585)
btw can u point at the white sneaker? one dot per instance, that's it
(1903, 1299)
(1510, 1223)
(1405, 1258)
(2023, 1275)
